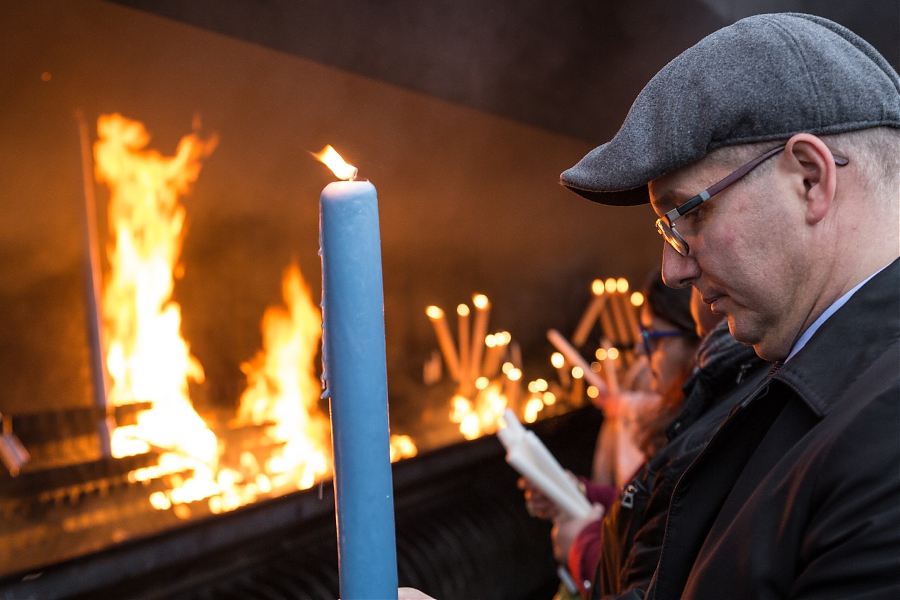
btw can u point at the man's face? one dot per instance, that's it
(746, 253)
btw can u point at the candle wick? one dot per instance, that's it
(355, 173)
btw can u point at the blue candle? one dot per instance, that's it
(355, 376)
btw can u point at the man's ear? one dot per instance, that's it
(813, 162)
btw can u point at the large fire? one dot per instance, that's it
(147, 357)
(279, 440)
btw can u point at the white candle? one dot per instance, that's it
(591, 314)
(575, 359)
(606, 324)
(445, 340)
(466, 375)
(609, 366)
(576, 396)
(496, 351)
(631, 309)
(479, 331)
(622, 337)
(559, 363)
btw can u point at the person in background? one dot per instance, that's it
(670, 342)
(634, 528)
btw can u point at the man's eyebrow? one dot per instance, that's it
(668, 200)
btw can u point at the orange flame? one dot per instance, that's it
(282, 388)
(147, 357)
(402, 446)
(481, 416)
(333, 161)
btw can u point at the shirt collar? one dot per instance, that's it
(837, 304)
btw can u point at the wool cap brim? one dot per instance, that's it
(766, 77)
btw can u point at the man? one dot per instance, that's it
(771, 154)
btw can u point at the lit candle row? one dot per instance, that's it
(611, 306)
(471, 362)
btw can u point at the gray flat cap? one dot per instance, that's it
(766, 77)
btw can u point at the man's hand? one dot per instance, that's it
(566, 530)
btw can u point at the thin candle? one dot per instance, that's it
(576, 395)
(466, 376)
(609, 366)
(591, 313)
(575, 359)
(479, 331)
(622, 336)
(496, 351)
(559, 363)
(445, 340)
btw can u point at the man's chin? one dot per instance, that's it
(764, 347)
(742, 333)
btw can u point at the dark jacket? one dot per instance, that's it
(633, 529)
(798, 493)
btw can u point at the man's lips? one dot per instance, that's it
(714, 302)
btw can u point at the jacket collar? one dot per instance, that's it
(848, 342)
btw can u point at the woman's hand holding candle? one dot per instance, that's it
(566, 530)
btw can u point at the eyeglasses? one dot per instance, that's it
(665, 225)
(649, 337)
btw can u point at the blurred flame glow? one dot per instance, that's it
(557, 360)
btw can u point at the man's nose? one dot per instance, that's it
(678, 271)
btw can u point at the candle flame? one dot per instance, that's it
(333, 161)
(621, 285)
(637, 299)
(462, 310)
(577, 372)
(610, 285)
(557, 360)
(480, 301)
(532, 408)
(597, 287)
(434, 312)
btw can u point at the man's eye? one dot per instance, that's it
(693, 216)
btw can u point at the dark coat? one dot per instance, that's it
(633, 528)
(798, 493)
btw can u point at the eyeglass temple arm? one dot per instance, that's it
(718, 187)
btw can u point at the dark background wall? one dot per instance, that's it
(569, 66)
(462, 113)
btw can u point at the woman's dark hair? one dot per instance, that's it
(670, 304)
